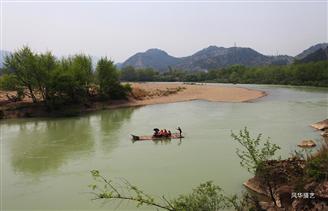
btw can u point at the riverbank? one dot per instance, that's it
(297, 183)
(142, 94)
(213, 93)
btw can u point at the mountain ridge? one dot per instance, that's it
(311, 50)
(3, 54)
(152, 58)
(204, 59)
(318, 55)
(211, 57)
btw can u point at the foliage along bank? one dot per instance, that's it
(55, 82)
(309, 74)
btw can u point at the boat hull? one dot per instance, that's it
(144, 138)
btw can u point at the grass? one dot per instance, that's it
(139, 94)
(317, 164)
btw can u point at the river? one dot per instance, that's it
(46, 162)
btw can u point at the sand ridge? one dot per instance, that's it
(213, 93)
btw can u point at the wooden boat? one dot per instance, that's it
(143, 138)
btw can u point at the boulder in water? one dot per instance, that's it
(307, 143)
(325, 133)
(321, 125)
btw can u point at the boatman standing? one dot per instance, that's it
(180, 131)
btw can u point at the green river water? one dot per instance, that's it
(46, 163)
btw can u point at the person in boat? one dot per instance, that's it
(180, 131)
(156, 132)
(160, 133)
(165, 133)
(169, 133)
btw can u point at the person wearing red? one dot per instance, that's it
(165, 133)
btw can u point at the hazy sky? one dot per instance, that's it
(118, 30)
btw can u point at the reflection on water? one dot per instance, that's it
(46, 145)
(40, 145)
(160, 141)
(110, 122)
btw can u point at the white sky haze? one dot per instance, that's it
(119, 30)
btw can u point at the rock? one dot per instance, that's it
(321, 125)
(264, 205)
(310, 205)
(322, 190)
(310, 186)
(283, 195)
(267, 206)
(320, 206)
(254, 185)
(307, 143)
(324, 133)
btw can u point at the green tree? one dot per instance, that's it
(108, 80)
(23, 64)
(26, 70)
(9, 82)
(147, 74)
(254, 155)
(46, 65)
(312, 74)
(71, 80)
(129, 74)
(206, 197)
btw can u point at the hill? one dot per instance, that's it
(2, 57)
(311, 50)
(152, 58)
(208, 58)
(319, 55)
(218, 57)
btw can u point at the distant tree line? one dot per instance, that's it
(44, 78)
(310, 74)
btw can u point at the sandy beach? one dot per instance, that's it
(213, 93)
